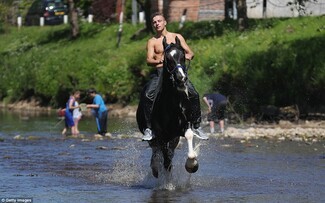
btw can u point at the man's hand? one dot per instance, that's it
(161, 60)
(189, 56)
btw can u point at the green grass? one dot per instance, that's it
(276, 61)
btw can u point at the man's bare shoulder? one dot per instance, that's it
(172, 36)
(151, 40)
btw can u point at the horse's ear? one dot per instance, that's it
(165, 43)
(178, 42)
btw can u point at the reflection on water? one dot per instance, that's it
(53, 168)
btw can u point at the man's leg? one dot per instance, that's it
(98, 125)
(222, 125)
(211, 127)
(211, 119)
(103, 123)
(195, 106)
(147, 114)
(196, 111)
(149, 97)
(221, 115)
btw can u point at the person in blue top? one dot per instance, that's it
(99, 110)
(217, 104)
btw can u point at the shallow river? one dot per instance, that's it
(45, 166)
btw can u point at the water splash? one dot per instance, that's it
(133, 170)
(126, 171)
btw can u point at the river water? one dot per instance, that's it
(44, 166)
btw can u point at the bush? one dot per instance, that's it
(277, 61)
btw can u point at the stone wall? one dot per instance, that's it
(177, 7)
(280, 8)
(211, 10)
(197, 10)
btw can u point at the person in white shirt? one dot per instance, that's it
(76, 117)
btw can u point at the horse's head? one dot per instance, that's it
(174, 62)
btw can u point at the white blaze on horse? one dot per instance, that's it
(171, 113)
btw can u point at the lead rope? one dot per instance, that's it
(189, 64)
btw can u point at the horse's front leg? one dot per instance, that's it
(155, 158)
(191, 164)
(189, 137)
(169, 153)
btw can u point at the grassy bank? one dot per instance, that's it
(276, 62)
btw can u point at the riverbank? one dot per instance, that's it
(33, 107)
(307, 131)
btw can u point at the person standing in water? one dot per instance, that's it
(217, 104)
(99, 110)
(76, 114)
(70, 107)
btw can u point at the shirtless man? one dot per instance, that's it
(155, 58)
(155, 49)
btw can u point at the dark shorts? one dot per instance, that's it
(218, 112)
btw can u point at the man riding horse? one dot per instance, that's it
(155, 58)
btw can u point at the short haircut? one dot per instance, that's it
(72, 92)
(91, 90)
(157, 14)
(76, 92)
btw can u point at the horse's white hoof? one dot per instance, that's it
(191, 165)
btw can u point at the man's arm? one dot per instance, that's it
(189, 54)
(207, 103)
(94, 106)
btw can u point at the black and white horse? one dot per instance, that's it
(171, 112)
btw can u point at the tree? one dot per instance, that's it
(242, 15)
(299, 5)
(146, 7)
(73, 13)
(8, 11)
(104, 10)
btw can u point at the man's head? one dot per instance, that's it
(91, 92)
(158, 22)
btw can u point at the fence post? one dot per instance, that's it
(65, 19)
(41, 21)
(141, 17)
(90, 18)
(183, 18)
(19, 21)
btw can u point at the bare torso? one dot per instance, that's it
(156, 50)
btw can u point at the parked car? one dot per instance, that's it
(53, 12)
